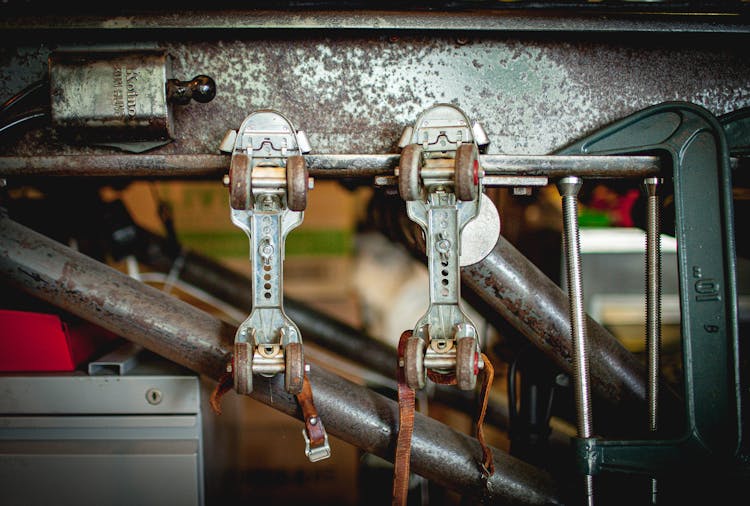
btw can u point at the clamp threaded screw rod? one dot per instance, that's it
(569, 188)
(653, 305)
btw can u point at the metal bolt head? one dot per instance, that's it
(226, 180)
(569, 186)
(153, 396)
(310, 183)
(651, 185)
(313, 420)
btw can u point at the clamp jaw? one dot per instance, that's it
(440, 178)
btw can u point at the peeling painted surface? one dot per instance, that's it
(354, 93)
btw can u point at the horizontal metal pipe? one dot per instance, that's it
(120, 165)
(333, 166)
(184, 334)
(575, 165)
(323, 166)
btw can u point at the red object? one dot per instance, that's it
(34, 342)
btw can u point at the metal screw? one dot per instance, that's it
(307, 367)
(653, 307)
(569, 188)
(153, 396)
(225, 180)
(3, 182)
(653, 295)
(310, 183)
(313, 420)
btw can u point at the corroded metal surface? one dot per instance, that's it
(108, 165)
(188, 336)
(353, 92)
(506, 16)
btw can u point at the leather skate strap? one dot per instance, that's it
(406, 407)
(313, 425)
(315, 432)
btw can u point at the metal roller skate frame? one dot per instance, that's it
(440, 179)
(268, 181)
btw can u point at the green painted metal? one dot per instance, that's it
(694, 141)
(737, 130)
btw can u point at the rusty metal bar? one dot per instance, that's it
(326, 166)
(515, 17)
(180, 332)
(124, 165)
(319, 165)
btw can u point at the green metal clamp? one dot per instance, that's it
(695, 143)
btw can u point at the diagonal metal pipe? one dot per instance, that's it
(234, 288)
(508, 289)
(184, 334)
(523, 295)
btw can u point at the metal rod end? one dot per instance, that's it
(569, 186)
(651, 185)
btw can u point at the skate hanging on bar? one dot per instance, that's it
(440, 178)
(268, 184)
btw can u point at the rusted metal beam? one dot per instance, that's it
(184, 334)
(335, 166)
(121, 165)
(504, 17)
